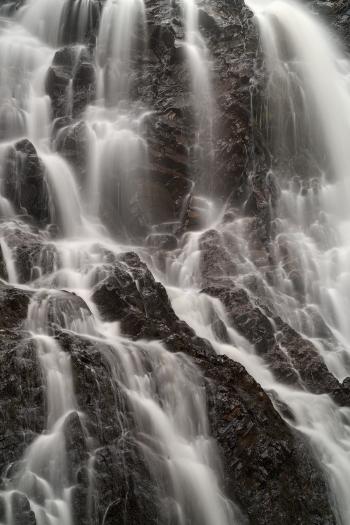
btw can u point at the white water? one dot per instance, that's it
(309, 93)
(203, 99)
(42, 476)
(165, 391)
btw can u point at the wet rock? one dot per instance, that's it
(71, 82)
(161, 241)
(132, 496)
(102, 403)
(57, 83)
(267, 468)
(76, 446)
(293, 359)
(22, 406)
(22, 513)
(3, 269)
(73, 144)
(131, 295)
(24, 182)
(84, 87)
(216, 262)
(122, 489)
(32, 254)
(264, 193)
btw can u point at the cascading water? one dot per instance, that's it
(43, 475)
(203, 100)
(122, 34)
(165, 408)
(165, 392)
(308, 97)
(312, 221)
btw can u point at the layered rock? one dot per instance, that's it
(24, 182)
(265, 463)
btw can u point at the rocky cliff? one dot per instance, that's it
(268, 468)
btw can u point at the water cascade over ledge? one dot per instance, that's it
(175, 344)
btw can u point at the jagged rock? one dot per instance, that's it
(14, 304)
(24, 182)
(84, 87)
(216, 262)
(22, 414)
(131, 295)
(57, 82)
(3, 269)
(71, 82)
(268, 469)
(124, 486)
(22, 514)
(76, 446)
(293, 359)
(32, 254)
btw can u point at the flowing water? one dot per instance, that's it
(203, 99)
(309, 98)
(165, 391)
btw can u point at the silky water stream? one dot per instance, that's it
(164, 391)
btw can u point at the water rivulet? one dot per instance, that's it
(173, 264)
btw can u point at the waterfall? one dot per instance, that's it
(165, 393)
(95, 121)
(313, 218)
(43, 477)
(307, 98)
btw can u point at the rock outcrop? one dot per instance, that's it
(265, 464)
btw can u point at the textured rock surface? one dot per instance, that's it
(267, 468)
(24, 182)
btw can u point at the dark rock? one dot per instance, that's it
(131, 295)
(57, 85)
(14, 304)
(22, 406)
(216, 262)
(268, 469)
(32, 254)
(84, 87)
(24, 182)
(293, 359)
(124, 486)
(76, 446)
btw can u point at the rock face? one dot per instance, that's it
(267, 468)
(32, 254)
(261, 453)
(131, 295)
(24, 182)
